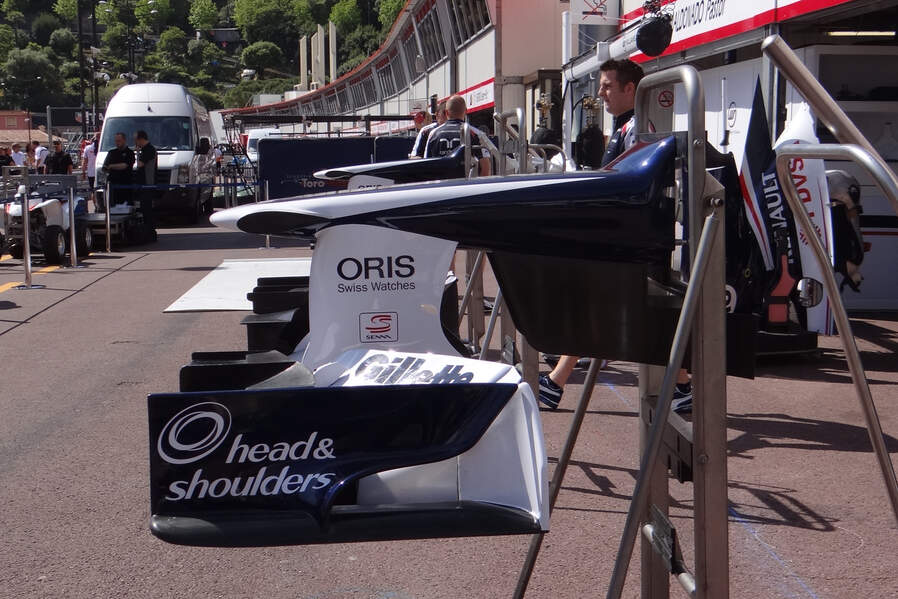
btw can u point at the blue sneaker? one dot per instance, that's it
(682, 398)
(549, 392)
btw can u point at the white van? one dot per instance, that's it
(252, 141)
(179, 127)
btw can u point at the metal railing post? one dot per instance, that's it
(823, 105)
(883, 176)
(73, 252)
(26, 238)
(467, 135)
(108, 203)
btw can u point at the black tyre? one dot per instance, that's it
(53, 244)
(17, 251)
(84, 240)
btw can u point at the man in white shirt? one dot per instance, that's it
(18, 156)
(89, 166)
(40, 156)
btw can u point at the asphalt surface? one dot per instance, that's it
(808, 513)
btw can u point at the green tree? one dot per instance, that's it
(210, 100)
(151, 15)
(261, 56)
(346, 16)
(240, 94)
(115, 40)
(108, 90)
(7, 40)
(387, 11)
(356, 47)
(66, 9)
(265, 20)
(42, 27)
(30, 79)
(203, 14)
(172, 45)
(63, 42)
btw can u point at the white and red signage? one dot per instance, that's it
(698, 22)
(480, 96)
(378, 289)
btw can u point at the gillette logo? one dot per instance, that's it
(377, 327)
(380, 369)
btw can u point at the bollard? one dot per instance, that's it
(26, 242)
(73, 251)
(108, 202)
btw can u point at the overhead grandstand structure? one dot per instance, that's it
(441, 47)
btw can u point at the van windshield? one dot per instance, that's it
(165, 132)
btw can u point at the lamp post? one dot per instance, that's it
(81, 68)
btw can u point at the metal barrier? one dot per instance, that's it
(864, 154)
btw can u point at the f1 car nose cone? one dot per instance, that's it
(264, 220)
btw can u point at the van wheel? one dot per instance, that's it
(53, 244)
(17, 251)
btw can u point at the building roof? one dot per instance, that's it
(11, 136)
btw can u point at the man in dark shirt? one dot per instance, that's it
(5, 158)
(447, 137)
(145, 174)
(59, 162)
(117, 166)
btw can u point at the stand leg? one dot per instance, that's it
(639, 503)
(655, 575)
(558, 476)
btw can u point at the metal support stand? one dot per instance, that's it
(697, 290)
(491, 325)
(655, 580)
(265, 199)
(558, 475)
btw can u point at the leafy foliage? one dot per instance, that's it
(387, 11)
(346, 16)
(67, 10)
(203, 14)
(43, 27)
(261, 56)
(240, 94)
(173, 45)
(38, 48)
(30, 75)
(63, 42)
